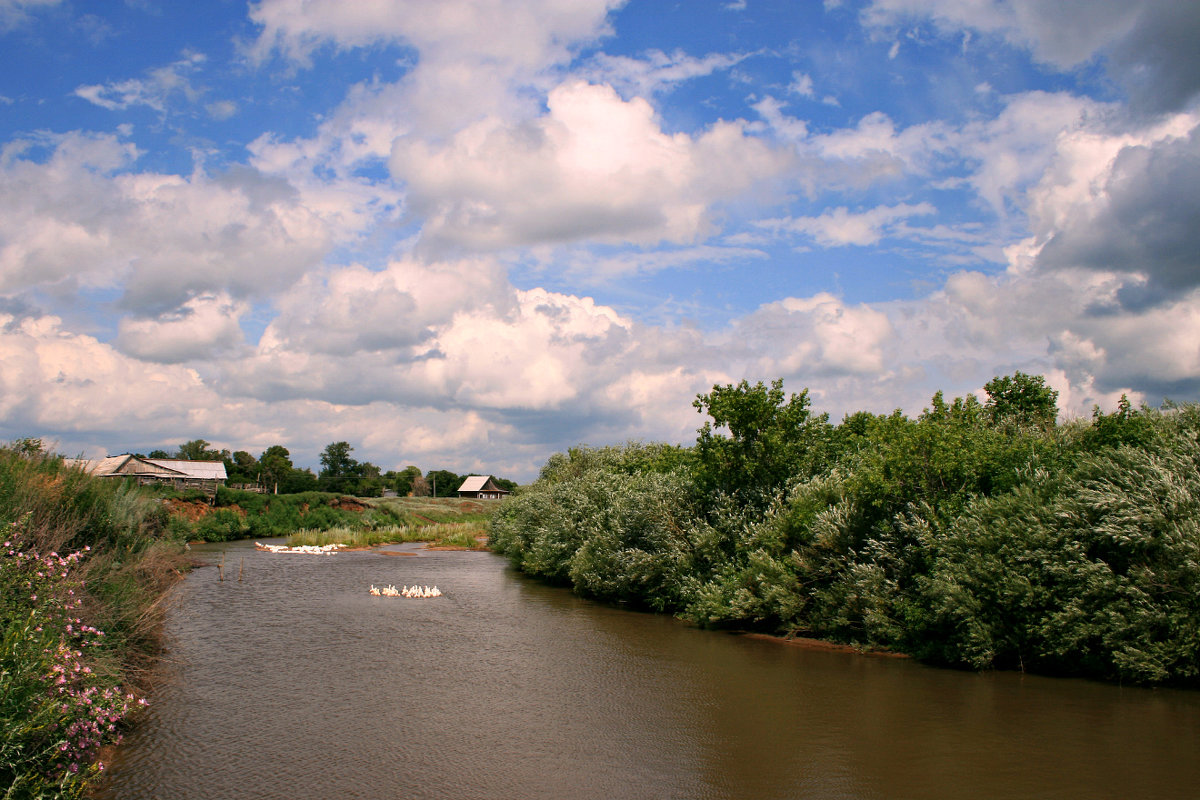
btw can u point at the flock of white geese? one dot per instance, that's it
(407, 591)
(328, 549)
(311, 549)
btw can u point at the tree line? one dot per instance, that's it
(340, 472)
(978, 534)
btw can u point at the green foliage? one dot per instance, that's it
(1021, 399)
(250, 515)
(771, 441)
(607, 521)
(444, 481)
(200, 450)
(241, 467)
(83, 567)
(977, 535)
(336, 461)
(402, 481)
(275, 465)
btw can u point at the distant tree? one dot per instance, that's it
(29, 446)
(368, 481)
(160, 454)
(445, 481)
(241, 467)
(1020, 399)
(276, 466)
(420, 487)
(199, 450)
(402, 481)
(1126, 425)
(299, 480)
(337, 467)
(505, 483)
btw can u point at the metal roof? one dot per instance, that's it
(165, 467)
(208, 470)
(474, 483)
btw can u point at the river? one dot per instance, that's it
(295, 683)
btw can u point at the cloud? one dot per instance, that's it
(655, 71)
(14, 13)
(154, 91)
(60, 380)
(594, 167)
(204, 327)
(419, 332)
(475, 57)
(817, 336)
(802, 84)
(222, 109)
(1149, 46)
(839, 226)
(78, 218)
(503, 31)
(1140, 219)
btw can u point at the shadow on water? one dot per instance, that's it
(297, 683)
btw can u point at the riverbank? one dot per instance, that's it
(808, 643)
(978, 536)
(86, 566)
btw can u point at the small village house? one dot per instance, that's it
(481, 487)
(175, 472)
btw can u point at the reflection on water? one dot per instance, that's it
(297, 683)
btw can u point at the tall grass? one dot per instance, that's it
(83, 568)
(465, 535)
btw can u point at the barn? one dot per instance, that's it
(176, 472)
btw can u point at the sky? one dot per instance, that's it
(469, 234)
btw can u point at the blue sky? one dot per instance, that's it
(468, 234)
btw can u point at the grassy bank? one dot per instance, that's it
(85, 564)
(458, 535)
(246, 515)
(441, 521)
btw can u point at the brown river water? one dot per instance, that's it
(297, 683)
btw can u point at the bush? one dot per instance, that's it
(974, 536)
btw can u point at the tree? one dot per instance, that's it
(241, 467)
(199, 450)
(772, 438)
(1021, 399)
(276, 466)
(367, 481)
(402, 481)
(445, 481)
(337, 467)
(28, 447)
(300, 480)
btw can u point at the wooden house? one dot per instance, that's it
(482, 487)
(176, 472)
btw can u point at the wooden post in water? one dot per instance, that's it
(240, 566)
(221, 566)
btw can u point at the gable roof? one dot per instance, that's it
(164, 467)
(208, 470)
(475, 483)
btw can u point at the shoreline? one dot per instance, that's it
(809, 643)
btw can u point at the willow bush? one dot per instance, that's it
(979, 535)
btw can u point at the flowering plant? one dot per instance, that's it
(56, 709)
